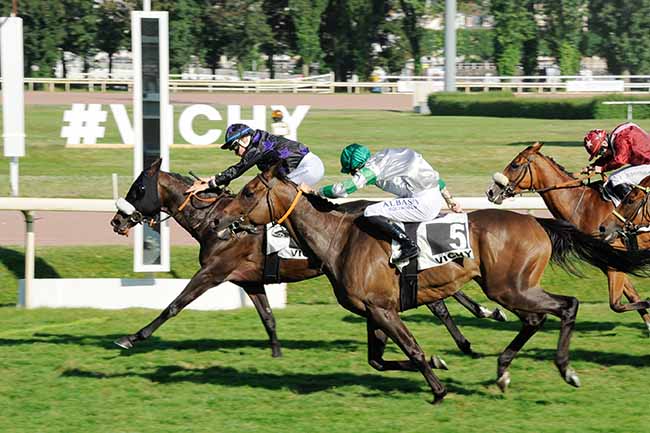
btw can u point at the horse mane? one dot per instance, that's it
(185, 179)
(206, 194)
(321, 204)
(561, 167)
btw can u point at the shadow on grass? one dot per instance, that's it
(606, 359)
(513, 324)
(15, 262)
(199, 345)
(299, 383)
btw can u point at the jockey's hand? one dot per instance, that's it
(587, 170)
(198, 186)
(306, 188)
(598, 169)
(455, 207)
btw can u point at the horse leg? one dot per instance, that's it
(479, 311)
(616, 282)
(199, 284)
(537, 303)
(390, 322)
(531, 323)
(376, 346)
(261, 303)
(439, 309)
(633, 296)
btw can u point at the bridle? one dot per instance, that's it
(628, 223)
(269, 185)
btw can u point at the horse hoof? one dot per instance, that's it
(499, 315)
(438, 398)
(439, 363)
(647, 331)
(124, 343)
(276, 352)
(504, 381)
(571, 377)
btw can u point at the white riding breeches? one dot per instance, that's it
(310, 170)
(423, 206)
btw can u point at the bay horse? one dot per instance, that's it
(239, 259)
(631, 218)
(570, 199)
(511, 252)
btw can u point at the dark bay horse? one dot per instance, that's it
(568, 198)
(511, 252)
(631, 218)
(239, 259)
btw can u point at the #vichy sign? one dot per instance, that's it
(83, 122)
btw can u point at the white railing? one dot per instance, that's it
(326, 84)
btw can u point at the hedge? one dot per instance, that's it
(506, 104)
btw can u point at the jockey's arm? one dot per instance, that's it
(451, 203)
(234, 171)
(361, 178)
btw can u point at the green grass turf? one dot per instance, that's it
(212, 372)
(466, 150)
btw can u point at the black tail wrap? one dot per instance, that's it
(408, 278)
(570, 243)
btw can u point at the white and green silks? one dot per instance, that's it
(402, 172)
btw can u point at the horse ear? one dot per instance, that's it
(154, 168)
(536, 146)
(276, 171)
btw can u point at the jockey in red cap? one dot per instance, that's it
(626, 144)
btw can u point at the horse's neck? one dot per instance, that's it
(172, 198)
(570, 203)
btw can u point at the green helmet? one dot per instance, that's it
(353, 157)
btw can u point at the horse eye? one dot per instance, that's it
(514, 166)
(247, 193)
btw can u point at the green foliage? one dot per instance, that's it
(601, 111)
(42, 34)
(80, 27)
(414, 32)
(283, 40)
(504, 104)
(306, 16)
(184, 31)
(564, 24)
(624, 40)
(113, 28)
(512, 26)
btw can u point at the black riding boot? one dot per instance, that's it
(408, 248)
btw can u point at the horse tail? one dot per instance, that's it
(569, 243)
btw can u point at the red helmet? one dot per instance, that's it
(594, 141)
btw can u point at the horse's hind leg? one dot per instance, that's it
(376, 346)
(633, 296)
(261, 302)
(477, 309)
(199, 284)
(531, 323)
(617, 286)
(439, 309)
(390, 322)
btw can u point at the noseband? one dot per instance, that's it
(628, 223)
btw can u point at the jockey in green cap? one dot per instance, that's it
(402, 172)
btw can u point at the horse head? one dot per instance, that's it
(630, 215)
(264, 199)
(142, 201)
(516, 177)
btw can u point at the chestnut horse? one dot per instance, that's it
(239, 260)
(631, 218)
(511, 252)
(567, 198)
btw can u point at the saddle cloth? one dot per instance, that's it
(279, 241)
(626, 175)
(441, 241)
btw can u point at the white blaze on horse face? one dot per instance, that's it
(500, 179)
(124, 206)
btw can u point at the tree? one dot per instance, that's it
(565, 20)
(283, 40)
(306, 16)
(511, 28)
(184, 30)
(80, 29)
(42, 34)
(530, 46)
(113, 28)
(623, 37)
(244, 26)
(412, 11)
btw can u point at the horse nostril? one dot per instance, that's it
(602, 229)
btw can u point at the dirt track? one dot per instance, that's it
(52, 228)
(397, 102)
